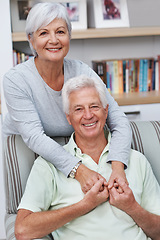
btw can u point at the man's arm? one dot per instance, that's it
(148, 222)
(32, 225)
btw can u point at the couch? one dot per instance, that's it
(18, 160)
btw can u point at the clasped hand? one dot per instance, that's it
(120, 195)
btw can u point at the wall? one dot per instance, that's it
(5, 64)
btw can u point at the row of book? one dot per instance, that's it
(19, 57)
(129, 75)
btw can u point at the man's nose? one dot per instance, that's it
(88, 113)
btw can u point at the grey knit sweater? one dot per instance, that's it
(35, 112)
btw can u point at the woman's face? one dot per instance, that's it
(52, 41)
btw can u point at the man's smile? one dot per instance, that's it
(89, 124)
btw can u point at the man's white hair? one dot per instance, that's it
(80, 82)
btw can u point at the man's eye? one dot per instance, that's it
(78, 109)
(95, 107)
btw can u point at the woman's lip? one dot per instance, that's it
(53, 49)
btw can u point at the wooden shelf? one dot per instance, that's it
(137, 98)
(101, 33)
(134, 98)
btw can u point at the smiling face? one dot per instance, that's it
(86, 114)
(52, 41)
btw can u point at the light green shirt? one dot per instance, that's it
(47, 188)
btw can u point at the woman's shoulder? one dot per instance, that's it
(75, 64)
(21, 68)
(77, 67)
(20, 73)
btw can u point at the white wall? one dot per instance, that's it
(5, 64)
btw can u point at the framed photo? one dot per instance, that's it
(77, 10)
(110, 13)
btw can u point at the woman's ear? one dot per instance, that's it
(106, 110)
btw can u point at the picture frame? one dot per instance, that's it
(77, 10)
(110, 13)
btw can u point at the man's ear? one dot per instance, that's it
(68, 119)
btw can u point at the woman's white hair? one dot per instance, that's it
(42, 14)
(77, 83)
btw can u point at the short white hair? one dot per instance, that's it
(82, 81)
(41, 14)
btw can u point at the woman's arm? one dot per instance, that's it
(119, 127)
(25, 120)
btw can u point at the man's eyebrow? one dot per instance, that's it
(77, 105)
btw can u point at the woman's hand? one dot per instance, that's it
(118, 173)
(87, 178)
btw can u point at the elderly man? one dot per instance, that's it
(52, 203)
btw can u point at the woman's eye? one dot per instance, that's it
(60, 32)
(43, 33)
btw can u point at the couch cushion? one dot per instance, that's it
(146, 139)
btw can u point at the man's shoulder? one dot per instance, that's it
(42, 164)
(138, 161)
(137, 156)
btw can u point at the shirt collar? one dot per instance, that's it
(75, 150)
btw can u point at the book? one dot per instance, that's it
(145, 75)
(120, 76)
(141, 75)
(100, 68)
(150, 74)
(115, 81)
(129, 75)
(158, 58)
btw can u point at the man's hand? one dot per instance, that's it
(118, 173)
(94, 197)
(125, 200)
(87, 178)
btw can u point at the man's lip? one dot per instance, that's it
(89, 124)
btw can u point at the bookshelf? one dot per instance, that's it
(136, 98)
(115, 33)
(91, 33)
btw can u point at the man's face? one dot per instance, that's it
(86, 113)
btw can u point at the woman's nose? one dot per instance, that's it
(53, 38)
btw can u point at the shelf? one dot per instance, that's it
(137, 98)
(101, 33)
(134, 98)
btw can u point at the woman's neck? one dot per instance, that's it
(52, 73)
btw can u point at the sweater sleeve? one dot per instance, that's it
(27, 123)
(120, 130)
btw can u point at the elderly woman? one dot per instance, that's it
(33, 97)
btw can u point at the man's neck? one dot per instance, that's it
(93, 146)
